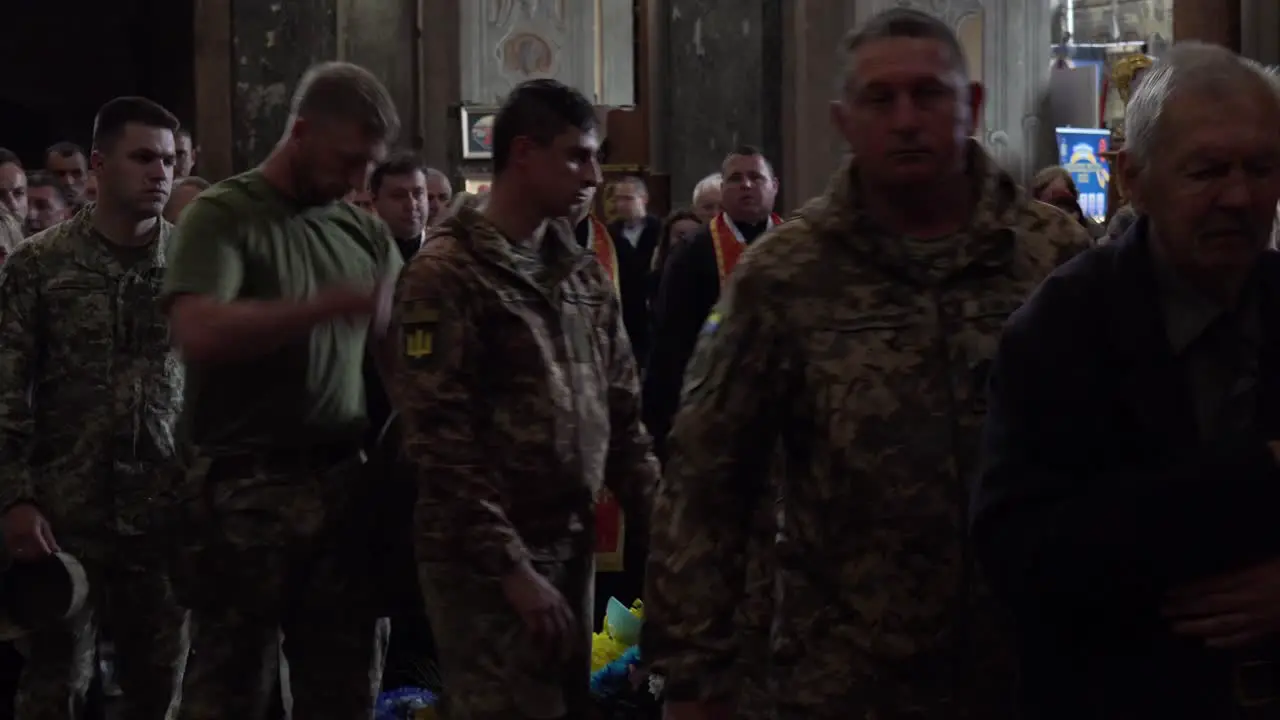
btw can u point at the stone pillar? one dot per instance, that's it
(440, 87)
(382, 36)
(812, 148)
(1211, 21)
(724, 86)
(273, 44)
(1260, 30)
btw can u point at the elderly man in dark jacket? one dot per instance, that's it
(1129, 514)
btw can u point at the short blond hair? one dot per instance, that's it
(343, 91)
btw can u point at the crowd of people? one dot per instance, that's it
(926, 448)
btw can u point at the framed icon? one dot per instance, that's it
(477, 132)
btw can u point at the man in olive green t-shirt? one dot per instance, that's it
(271, 286)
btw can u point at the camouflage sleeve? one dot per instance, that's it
(632, 470)
(436, 389)
(19, 297)
(1120, 223)
(714, 483)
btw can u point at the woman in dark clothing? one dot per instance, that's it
(678, 227)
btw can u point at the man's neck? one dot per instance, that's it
(277, 170)
(940, 208)
(635, 223)
(123, 228)
(743, 220)
(513, 216)
(1221, 288)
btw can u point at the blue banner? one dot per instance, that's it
(1080, 152)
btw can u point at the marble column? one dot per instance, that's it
(812, 149)
(723, 84)
(440, 84)
(382, 36)
(1260, 30)
(273, 44)
(1212, 21)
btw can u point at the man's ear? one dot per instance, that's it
(1128, 174)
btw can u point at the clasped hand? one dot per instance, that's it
(1229, 611)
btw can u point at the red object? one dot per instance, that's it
(610, 533)
(727, 245)
(1102, 106)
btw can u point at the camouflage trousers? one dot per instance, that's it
(490, 666)
(274, 568)
(130, 592)
(753, 620)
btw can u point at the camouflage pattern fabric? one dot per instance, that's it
(279, 547)
(1120, 223)
(130, 591)
(519, 396)
(11, 234)
(89, 394)
(861, 357)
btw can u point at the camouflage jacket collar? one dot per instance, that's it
(88, 247)
(988, 241)
(486, 242)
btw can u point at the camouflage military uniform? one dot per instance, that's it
(861, 357)
(10, 234)
(1120, 223)
(90, 395)
(520, 401)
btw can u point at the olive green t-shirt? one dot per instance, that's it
(244, 240)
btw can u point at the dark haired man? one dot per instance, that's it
(852, 346)
(13, 186)
(272, 286)
(187, 153)
(511, 338)
(67, 161)
(439, 193)
(694, 276)
(399, 190)
(89, 397)
(49, 202)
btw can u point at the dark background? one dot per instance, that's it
(60, 60)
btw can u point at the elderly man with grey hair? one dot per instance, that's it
(1127, 511)
(706, 197)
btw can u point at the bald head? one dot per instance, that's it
(439, 193)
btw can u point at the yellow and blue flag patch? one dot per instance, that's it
(712, 324)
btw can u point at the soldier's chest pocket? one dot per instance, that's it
(86, 311)
(582, 322)
(78, 311)
(861, 365)
(974, 346)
